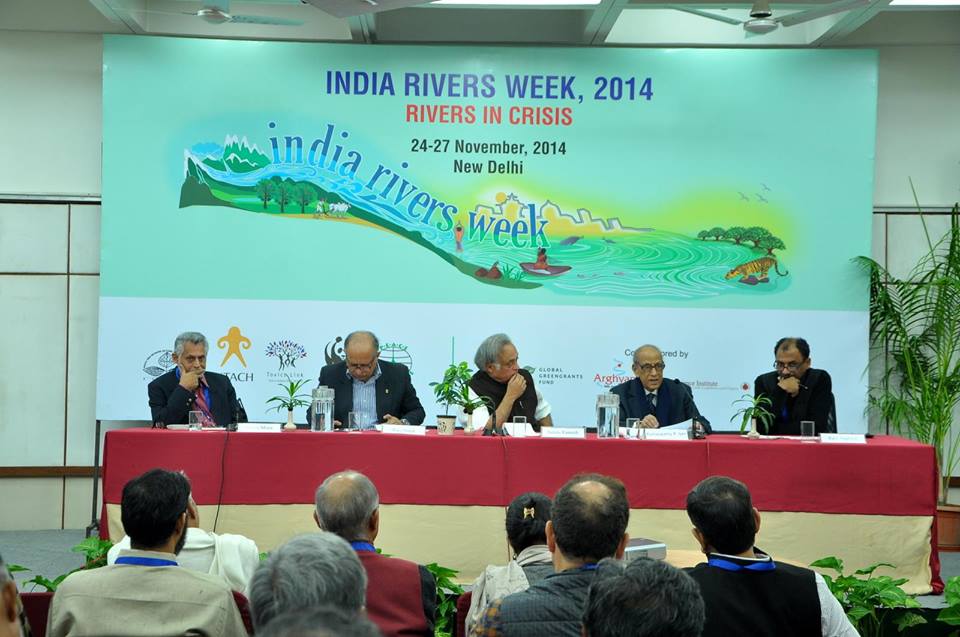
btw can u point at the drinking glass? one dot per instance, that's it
(195, 420)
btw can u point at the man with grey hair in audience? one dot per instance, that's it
(401, 595)
(642, 598)
(11, 624)
(190, 387)
(507, 388)
(320, 621)
(315, 569)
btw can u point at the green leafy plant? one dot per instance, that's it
(873, 604)
(454, 389)
(94, 550)
(915, 332)
(753, 407)
(447, 593)
(951, 592)
(291, 399)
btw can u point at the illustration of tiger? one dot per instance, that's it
(748, 271)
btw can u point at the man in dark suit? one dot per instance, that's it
(189, 387)
(798, 391)
(375, 390)
(655, 400)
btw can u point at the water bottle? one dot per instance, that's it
(608, 416)
(326, 410)
(315, 407)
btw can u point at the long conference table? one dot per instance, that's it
(443, 497)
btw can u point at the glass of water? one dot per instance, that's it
(195, 420)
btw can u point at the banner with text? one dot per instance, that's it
(279, 195)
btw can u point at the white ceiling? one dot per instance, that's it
(611, 22)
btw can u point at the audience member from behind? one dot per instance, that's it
(145, 592)
(317, 569)
(12, 624)
(320, 621)
(589, 522)
(744, 591)
(233, 558)
(642, 598)
(527, 518)
(401, 595)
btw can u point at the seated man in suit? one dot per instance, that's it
(508, 388)
(377, 391)
(798, 391)
(744, 591)
(655, 400)
(401, 595)
(189, 387)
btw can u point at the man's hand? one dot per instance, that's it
(790, 385)
(515, 387)
(190, 380)
(391, 420)
(649, 422)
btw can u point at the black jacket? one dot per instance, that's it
(395, 393)
(170, 403)
(674, 402)
(814, 402)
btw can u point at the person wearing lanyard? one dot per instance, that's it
(145, 592)
(589, 523)
(190, 387)
(745, 592)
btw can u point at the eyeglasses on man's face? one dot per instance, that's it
(362, 366)
(646, 368)
(792, 366)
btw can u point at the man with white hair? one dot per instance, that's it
(401, 595)
(507, 388)
(315, 569)
(10, 609)
(189, 387)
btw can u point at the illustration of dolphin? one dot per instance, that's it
(569, 241)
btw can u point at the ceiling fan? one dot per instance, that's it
(218, 12)
(761, 19)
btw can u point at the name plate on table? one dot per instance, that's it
(845, 439)
(563, 432)
(407, 430)
(260, 427)
(665, 434)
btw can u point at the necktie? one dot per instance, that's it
(201, 404)
(652, 399)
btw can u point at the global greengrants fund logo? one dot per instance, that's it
(552, 375)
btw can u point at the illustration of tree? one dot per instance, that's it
(735, 233)
(717, 232)
(702, 235)
(304, 195)
(771, 243)
(287, 352)
(755, 234)
(265, 191)
(283, 194)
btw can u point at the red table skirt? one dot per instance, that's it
(887, 476)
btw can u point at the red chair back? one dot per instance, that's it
(36, 606)
(463, 607)
(244, 607)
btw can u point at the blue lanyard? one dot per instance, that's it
(727, 565)
(206, 390)
(363, 546)
(144, 561)
(588, 567)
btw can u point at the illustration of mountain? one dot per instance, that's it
(238, 156)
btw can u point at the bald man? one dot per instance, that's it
(655, 400)
(376, 391)
(401, 595)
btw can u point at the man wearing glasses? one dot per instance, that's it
(798, 391)
(655, 400)
(375, 391)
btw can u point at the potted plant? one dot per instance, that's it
(291, 400)
(754, 408)
(454, 389)
(915, 332)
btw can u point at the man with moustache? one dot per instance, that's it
(797, 390)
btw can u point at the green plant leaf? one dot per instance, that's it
(831, 562)
(950, 615)
(870, 569)
(907, 620)
(16, 568)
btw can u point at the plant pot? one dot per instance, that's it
(289, 424)
(754, 434)
(948, 527)
(446, 425)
